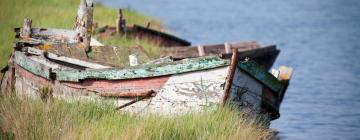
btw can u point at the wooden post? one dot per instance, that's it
(227, 47)
(25, 32)
(230, 75)
(120, 22)
(201, 50)
(147, 24)
(83, 22)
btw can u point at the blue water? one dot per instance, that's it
(320, 39)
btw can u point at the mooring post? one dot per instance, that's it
(83, 23)
(230, 75)
(227, 47)
(25, 32)
(201, 50)
(147, 24)
(120, 22)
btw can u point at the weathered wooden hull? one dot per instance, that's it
(175, 94)
(143, 33)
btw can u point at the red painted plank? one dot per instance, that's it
(120, 86)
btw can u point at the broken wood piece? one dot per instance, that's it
(147, 95)
(120, 22)
(26, 30)
(83, 23)
(74, 61)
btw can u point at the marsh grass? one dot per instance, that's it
(32, 118)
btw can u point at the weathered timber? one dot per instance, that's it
(161, 38)
(144, 33)
(73, 61)
(264, 56)
(230, 75)
(201, 51)
(186, 65)
(26, 30)
(119, 87)
(147, 24)
(255, 91)
(99, 57)
(227, 47)
(7, 83)
(126, 94)
(34, 67)
(120, 22)
(83, 22)
(261, 75)
(190, 52)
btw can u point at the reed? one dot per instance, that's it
(23, 117)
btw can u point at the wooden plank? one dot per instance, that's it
(190, 52)
(201, 51)
(186, 65)
(227, 47)
(34, 67)
(120, 87)
(162, 38)
(264, 56)
(73, 61)
(259, 73)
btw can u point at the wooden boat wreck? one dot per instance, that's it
(41, 59)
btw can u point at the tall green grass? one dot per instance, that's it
(32, 118)
(54, 14)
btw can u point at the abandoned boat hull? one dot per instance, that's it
(174, 93)
(167, 88)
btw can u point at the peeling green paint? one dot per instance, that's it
(32, 66)
(259, 73)
(186, 65)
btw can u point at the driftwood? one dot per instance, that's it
(83, 22)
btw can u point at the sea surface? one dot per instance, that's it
(320, 39)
